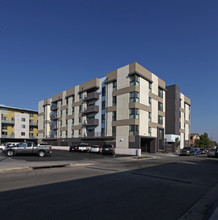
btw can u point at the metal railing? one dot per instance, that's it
(7, 121)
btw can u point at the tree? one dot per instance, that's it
(203, 142)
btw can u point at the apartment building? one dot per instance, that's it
(17, 124)
(125, 108)
(178, 115)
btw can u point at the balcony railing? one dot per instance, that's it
(53, 136)
(53, 117)
(53, 127)
(33, 137)
(92, 95)
(54, 107)
(7, 136)
(90, 109)
(94, 134)
(33, 123)
(91, 122)
(7, 121)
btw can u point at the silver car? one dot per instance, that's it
(95, 149)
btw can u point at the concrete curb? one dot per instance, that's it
(203, 207)
(43, 166)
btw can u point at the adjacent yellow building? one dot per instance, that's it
(17, 124)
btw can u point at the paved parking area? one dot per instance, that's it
(62, 155)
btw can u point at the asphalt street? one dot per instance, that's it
(110, 188)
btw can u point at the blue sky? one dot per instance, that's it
(47, 46)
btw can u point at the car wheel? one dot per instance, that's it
(1, 151)
(10, 153)
(70, 149)
(41, 153)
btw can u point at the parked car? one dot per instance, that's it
(216, 152)
(95, 149)
(73, 148)
(2, 148)
(211, 152)
(202, 150)
(28, 148)
(107, 149)
(84, 147)
(187, 151)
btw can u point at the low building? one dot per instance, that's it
(192, 138)
(17, 124)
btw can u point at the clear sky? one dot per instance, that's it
(48, 46)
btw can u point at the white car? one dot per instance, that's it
(84, 147)
(95, 149)
(2, 148)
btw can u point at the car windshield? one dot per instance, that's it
(107, 146)
(187, 148)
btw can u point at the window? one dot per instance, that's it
(61, 113)
(161, 134)
(114, 100)
(60, 134)
(72, 110)
(80, 108)
(72, 121)
(150, 87)
(80, 131)
(66, 122)
(160, 92)
(102, 131)
(66, 111)
(133, 130)
(134, 113)
(66, 133)
(66, 101)
(22, 133)
(149, 102)
(31, 115)
(23, 126)
(149, 131)
(103, 105)
(160, 119)
(61, 124)
(114, 85)
(4, 133)
(113, 131)
(103, 118)
(4, 127)
(23, 119)
(61, 103)
(160, 106)
(134, 97)
(80, 120)
(114, 116)
(72, 133)
(73, 99)
(80, 96)
(149, 116)
(103, 91)
(134, 80)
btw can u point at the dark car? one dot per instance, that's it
(73, 148)
(107, 149)
(187, 151)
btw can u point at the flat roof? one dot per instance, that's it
(15, 108)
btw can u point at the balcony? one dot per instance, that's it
(7, 136)
(91, 122)
(53, 127)
(32, 123)
(7, 121)
(91, 109)
(91, 96)
(53, 136)
(33, 137)
(53, 117)
(54, 107)
(94, 134)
